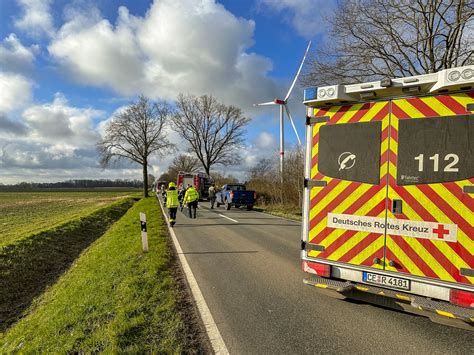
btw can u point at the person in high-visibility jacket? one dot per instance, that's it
(172, 202)
(191, 198)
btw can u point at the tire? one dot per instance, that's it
(249, 207)
(227, 205)
(218, 204)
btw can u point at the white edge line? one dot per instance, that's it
(233, 220)
(213, 333)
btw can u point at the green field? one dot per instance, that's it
(114, 298)
(25, 213)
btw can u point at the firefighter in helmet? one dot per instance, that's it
(172, 202)
(191, 198)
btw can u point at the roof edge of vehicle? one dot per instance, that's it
(447, 80)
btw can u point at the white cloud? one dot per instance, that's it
(15, 91)
(36, 19)
(58, 122)
(188, 46)
(306, 16)
(14, 57)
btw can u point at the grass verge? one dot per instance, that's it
(26, 213)
(115, 298)
(290, 212)
(30, 265)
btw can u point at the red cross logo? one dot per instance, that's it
(440, 231)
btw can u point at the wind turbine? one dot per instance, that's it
(284, 107)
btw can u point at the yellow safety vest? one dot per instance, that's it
(191, 195)
(172, 198)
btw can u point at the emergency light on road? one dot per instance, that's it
(388, 200)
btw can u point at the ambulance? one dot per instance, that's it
(388, 199)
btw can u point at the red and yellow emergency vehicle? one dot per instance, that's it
(389, 193)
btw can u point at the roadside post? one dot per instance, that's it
(144, 232)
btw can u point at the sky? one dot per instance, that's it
(66, 67)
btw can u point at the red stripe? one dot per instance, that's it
(425, 109)
(333, 204)
(321, 112)
(389, 256)
(413, 256)
(382, 113)
(360, 113)
(453, 105)
(344, 237)
(447, 209)
(398, 112)
(456, 190)
(337, 116)
(350, 210)
(370, 260)
(324, 191)
(426, 216)
(394, 133)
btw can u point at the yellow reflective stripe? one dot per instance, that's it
(445, 314)
(350, 113)
(360, 190)
(437, 106)
(376, 108)
(409, 109)
(359, 236)
(368, 251)
(419, 249)
(463, 99)
(403, 257)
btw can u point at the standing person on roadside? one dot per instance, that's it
(212, 195)
(181, 192)
(172, 202)
(191, 199)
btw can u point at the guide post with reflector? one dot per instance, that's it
(144, 231)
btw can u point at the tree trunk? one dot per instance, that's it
(145, 179)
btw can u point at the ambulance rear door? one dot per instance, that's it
(430, 192)
(348, 183)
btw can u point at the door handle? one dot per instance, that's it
(397, 206)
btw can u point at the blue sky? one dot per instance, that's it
(67, 66)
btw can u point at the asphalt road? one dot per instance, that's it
(248, 269)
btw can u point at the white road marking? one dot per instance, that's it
(213, 333)
(233, 220)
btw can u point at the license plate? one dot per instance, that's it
(393, 282)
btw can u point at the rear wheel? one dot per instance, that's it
(249, 207)
(218, 204)
(227, 205)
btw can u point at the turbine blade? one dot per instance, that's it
(265, 103)
(298, 72)
(293, 124)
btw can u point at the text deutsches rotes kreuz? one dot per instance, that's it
(401, 227)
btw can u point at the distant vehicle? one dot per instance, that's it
(201, 181)
(158, 183)
(235, 195)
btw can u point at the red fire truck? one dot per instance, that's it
(201, 181)
(388, 201)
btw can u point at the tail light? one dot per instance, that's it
(254, 195)
(231, 194)
(462, 298)
(317, 268)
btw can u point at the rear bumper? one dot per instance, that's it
(438, 311)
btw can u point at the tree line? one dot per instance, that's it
(73, 184)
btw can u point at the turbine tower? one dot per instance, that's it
(283, 108)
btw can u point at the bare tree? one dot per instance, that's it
(213, 130)
(185, 163)
(373, 39)
(135, 134)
